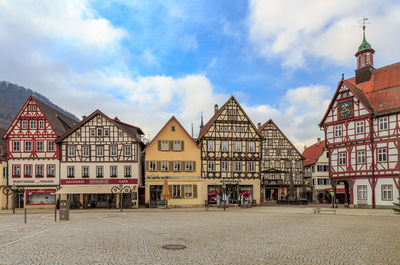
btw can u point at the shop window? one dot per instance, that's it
(38, 197)
(176, 191)
(387, 192)
(362, 192)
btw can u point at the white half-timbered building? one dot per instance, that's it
(97, 154)
(362, 132)
(33, 156)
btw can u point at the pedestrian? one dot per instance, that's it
(241, 199)
(218, 201)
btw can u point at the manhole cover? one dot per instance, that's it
(173, 247)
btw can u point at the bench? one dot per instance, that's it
(322, 210)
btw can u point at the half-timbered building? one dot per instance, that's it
(281, 166)
(362, 132)
(97, 154)
(173, 155)
(230, 155)
(33, 156)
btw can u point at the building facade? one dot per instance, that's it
(230, 155)
(98, 154)
(173, 155)
(33, 156)
(4, 199)
(281, 166)
(362, 132)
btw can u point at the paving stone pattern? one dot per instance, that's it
(260, 235)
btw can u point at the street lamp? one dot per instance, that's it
(120, 189)
(8, 190)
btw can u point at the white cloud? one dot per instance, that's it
(327, 30)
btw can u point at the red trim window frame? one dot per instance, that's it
(365, 156)
(385, 154)
(25, 142)
(41, 122)
(26, 123)
(36, 171)
(391, 192)
(48, 146)
(36, 146)
(358, 192)
(16, 151)
(363, 127)
(25, 167)
(379, 124)
(33, 127)
(341, 131)
(54, 171)
(345, 158)
(13, 171)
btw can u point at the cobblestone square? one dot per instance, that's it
(262, 235)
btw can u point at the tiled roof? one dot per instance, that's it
(312, 153)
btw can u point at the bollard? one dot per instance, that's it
(55, 215)
(25, 214)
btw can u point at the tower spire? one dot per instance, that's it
(365, 57)
(201, 123)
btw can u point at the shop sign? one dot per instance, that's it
(231, 181)
(98, 181)
(28, 191)
(33, 181)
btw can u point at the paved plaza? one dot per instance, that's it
(261, 235)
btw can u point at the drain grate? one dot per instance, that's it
(173, 247)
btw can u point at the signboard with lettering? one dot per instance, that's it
(98, 181)
(33, 182)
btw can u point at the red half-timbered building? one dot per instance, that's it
(362, 132)
(33, 156)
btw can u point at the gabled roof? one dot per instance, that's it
(216, 115)
(128, 129)
(270, 121)
(380, 95)
(164, 127)
(58, 121)
(312, 153)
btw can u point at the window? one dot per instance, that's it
(238, 166)
(274, 133)
(32, 108)
(287, 177)
(177, 165)
(39, 146)
(39, 171)
(360, 157)
(70, 172)
(50, 146)
(280, 141)
(99, 171)
(106, 132)
(92, 132)
(342, 159)
(238, 146)
(338, 130)
(270, 142)
(24, 125)
(127, 171)
(189, 166)
(113, 151)
(51, 171)
(41, 124)
(251, 166)
(85, 151)
(287, 164)
(298, 177)
(211, 165)
(211, 146)
(164, 145)
(387, 192)
(16, 171)
(251, 147)
(327, 181)
(277, 164)
(277, 175)
(224, 146)
(176, 191)
(28, 146)
(289, 152)
(278, 152)
(327, 154)
(266, 152)
(382, 155)
(85, 172)
(173, 128)
(360, 127)
(164, 165)
(16, 146)
(187, 191)
(99, 150)
(127, 150)
(99, 131)
(362, 192)
(152, 165)
(32, 124)
(266, 164)
(113, 171)
(71, 150)
(177, 146)
(383, 123)
(224, 166)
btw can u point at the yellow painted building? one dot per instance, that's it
(173, 155)
(3, 171)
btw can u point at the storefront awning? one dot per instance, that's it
(84, 189)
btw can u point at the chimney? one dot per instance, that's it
(116, 118)
(305, 147)
(258, 125)
(83, 117)
(215, 108)
(318, 141)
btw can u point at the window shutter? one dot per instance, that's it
(171, 166)
(158, 168)
(147, 165)
(171, 145)
(182, 146)
(195, 191)
(182, 166)
(159, 145)
(194, 166)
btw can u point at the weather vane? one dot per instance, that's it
(364, 22)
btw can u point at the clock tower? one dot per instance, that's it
(365, 59)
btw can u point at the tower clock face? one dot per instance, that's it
(345, 109)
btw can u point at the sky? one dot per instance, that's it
(145, 61)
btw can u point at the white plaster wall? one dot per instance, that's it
(378, 192)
